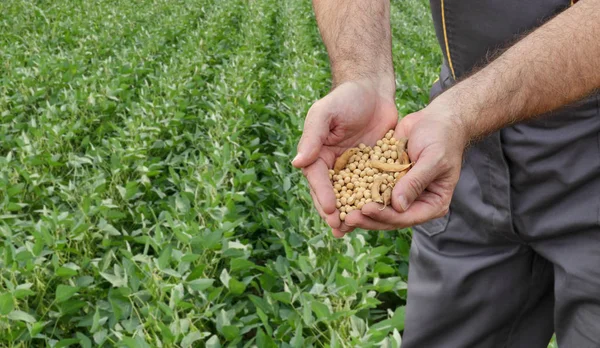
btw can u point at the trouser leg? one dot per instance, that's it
(471, 282)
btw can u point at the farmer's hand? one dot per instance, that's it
(436, 142)
(354, 112)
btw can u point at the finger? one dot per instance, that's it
(346, 228)
(416, 180)
(333, 219)
(316, 130)
(318, 178)
(337, 233)
(358, 219)
(420, 211)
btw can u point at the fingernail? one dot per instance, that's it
(403, 202)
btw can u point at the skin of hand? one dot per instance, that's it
(436, 144)
(352, 113)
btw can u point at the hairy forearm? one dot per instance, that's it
(358, 39)
(555, 65)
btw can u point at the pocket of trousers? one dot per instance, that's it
(434, 226)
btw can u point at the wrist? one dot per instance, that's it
(448, 109)
(383, 83)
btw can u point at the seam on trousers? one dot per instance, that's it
(513, 230)
(533, 281)
(497, 203)
(519, 316)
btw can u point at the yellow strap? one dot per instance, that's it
(446, 39)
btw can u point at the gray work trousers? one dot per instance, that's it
(517, 258)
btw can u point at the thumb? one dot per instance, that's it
(316, 130)
(411, 185)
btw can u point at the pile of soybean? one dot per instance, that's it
(367, 174)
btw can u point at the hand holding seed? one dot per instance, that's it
(354, 112)
(436, 142)
(362, 174)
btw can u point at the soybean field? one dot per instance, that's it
(146, 193)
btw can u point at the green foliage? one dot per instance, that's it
(146, 193)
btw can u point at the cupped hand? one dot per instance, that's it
(436, 145)
(353, 113)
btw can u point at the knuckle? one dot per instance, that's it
(317, 108)
(445, 209)
(444, 164)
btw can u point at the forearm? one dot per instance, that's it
(358, 39)
(555, 65)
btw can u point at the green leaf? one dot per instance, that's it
(6, 303)
(131, 190)
(165, 257)
(398, 318)
(190, 338)
(36, 328)
(21, 316)
(358, 325)
(196, 273)
(239, 265)
(22, 293)
(222, 320)
(213, 342)
(65, 292)
(137, 342)
(264, 341)
(211, 239)
(284, 297)
(382, 268)
(84, 341)
(182, 204)
(307, 314)
(95, 321)
(65, 272)
(190, 257)
(248, 175)
(390, 284)
(236, 287)
(66, 342)
(261, 303)
(201, 284)
(225, 277)
(265, 320)
(230, 332)
(116, 281)
(381, 328)
(320, 310)
(298, 339)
